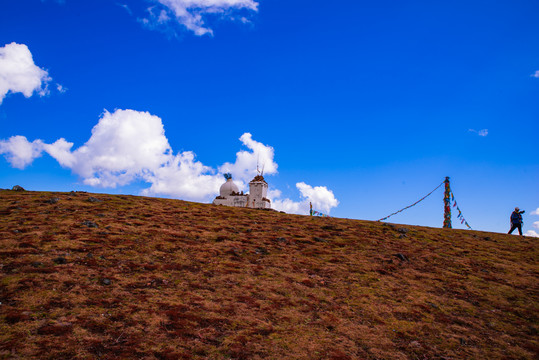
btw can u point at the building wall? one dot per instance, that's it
(238, 201)
(259, 204)
(258, 190)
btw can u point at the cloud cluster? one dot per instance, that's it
(191, 14)
(184, 177)
(123, 146)
(535, 225)
(483, 132)
(260, 156)
(536, 74)
(19, 152)
(128, 145)
(320, 197)
(19, 74)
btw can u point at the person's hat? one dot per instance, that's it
(517, 209)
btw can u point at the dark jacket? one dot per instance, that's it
(516, 217)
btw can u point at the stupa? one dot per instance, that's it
(230, 195)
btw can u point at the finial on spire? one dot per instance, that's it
(227, 176)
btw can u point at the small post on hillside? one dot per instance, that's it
(311, 209)
(447, 204)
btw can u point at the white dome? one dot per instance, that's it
(228, 188)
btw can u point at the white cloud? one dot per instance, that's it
(182, 176)
(531, 233)
(129, 145)
(322, 199)
(191, 14)
(245, 167)
(483, 132)
(163, 17)
(536, 74)
(290, 206)
(61, 151)
(19, 74)
(536, 224)
(61, 89)
(535, 212)
(19, 152)
(124, 145)
(126, 7)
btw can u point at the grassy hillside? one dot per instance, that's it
(92, 276)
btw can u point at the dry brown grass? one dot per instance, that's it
(168, 279)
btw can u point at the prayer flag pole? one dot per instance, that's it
(447, 204)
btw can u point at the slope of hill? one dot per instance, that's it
(93, 276)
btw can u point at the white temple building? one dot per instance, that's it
(230, 195)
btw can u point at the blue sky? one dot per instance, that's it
(368, 104)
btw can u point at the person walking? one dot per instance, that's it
(516, 221)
